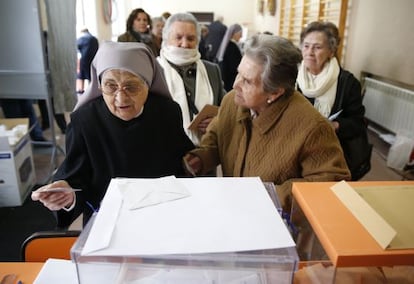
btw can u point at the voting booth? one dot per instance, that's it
(356, 232)
(190, 230)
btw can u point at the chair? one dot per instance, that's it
(43, 245)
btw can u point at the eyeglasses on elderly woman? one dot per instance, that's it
(130, 88)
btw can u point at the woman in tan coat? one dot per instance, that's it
(265, 128)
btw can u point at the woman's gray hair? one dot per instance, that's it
(329, 29)
(180, 17)
(279, 58)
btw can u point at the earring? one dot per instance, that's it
(269, 101)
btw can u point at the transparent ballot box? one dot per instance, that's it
(334, 246)
(267, 266)
(275, 265)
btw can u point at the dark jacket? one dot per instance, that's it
(351, 119)
(100, 146)
(137, 37)
(231, 60)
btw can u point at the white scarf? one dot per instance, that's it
(204, 93)
(322, 88)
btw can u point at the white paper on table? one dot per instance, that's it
(104, 225)
(57, 271)
(151, 191)
(221, 215)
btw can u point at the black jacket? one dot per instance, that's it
(100, 146)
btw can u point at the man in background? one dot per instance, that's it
(87, 46)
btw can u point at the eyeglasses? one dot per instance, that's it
(131, 90)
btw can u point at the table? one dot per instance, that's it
(346, 242)
(25, 271)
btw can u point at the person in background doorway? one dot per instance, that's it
(138, 29)
(125, 125)
(216, 31)
(332, 90)
(192, 82)
(229, 55)
(265, 128)
(202, 48)
(87, 46)
(156, 30)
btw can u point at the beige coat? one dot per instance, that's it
(289, 141)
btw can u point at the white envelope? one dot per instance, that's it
(151, 191)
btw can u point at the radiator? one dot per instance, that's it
(389, 106)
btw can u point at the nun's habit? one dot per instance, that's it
(100, 146)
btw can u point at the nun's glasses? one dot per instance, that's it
(131, 90)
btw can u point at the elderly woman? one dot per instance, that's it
(156, 32)
(229, 55)
(126, 125)
(333, 91)
(264, 128)
(193, 82)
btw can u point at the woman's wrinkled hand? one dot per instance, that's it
(192, 164)
(335, 125)
(54, 200)
(202, 126)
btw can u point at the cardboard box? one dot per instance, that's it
(17, 172)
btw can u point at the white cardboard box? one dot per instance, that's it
(17, 172)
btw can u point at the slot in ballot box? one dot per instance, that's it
(276, 265)
(335, 236)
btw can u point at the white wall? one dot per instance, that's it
(381, 39)
(233, 11)
(265, 21)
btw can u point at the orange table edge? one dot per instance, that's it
(26, 272)
(345, 240)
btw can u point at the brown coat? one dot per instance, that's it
(290, 141)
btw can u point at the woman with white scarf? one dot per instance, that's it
(192, 82)
(333, 91)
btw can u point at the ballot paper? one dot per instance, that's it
(206, 112)
(220, 215)
(334, 116)
(62, 271)
(57, 271)
(151, 191)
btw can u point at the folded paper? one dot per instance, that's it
(151, 191)
(386, 212)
